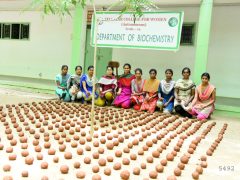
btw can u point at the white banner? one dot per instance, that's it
(153, 30)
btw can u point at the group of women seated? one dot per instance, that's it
(131, 90)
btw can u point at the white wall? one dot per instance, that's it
(161, 60)
(48, 48)
(224, 51)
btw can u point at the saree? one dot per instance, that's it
(203, 98)
(123, 99)
(166, 91)
(150, 87)
(63, 94)
(137, 100)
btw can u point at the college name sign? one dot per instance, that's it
(153, 30)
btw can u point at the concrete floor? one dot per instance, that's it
(226, 155)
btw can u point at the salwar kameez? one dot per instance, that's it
(137, 96)
(62, 93)
(89, 86)
(123, 99)
(184, 88)
(201, 109)
(166, 91)
(108, 85)
(151, 89)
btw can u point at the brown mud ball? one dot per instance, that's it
(64, 169)
(107, 171)
(39, 156)
(184, 159)
(6, 168)
(87, 160)
(96, 177)
(170, 157)
(95, 169)
(159, 168)
(102, 162)
(163, 162)
(24, 173)
(68, 155)
(29, 160)
(177, 172)
(181, 166)
(199, 169)
(117, 166)
(125, 175)
(80, 174)
(195, 175)
(143, 165)
(55, 159)
(12, 157)
(110, 159)
(204, 164)
(153, 174)
(136, 171)
(125, 161)
(44, 165)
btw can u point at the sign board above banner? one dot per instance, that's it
(153, 30)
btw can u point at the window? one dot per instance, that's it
(14, 31)
(187, 37)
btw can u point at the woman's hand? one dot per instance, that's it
(166, 104)
(161, 99)
(88, 93)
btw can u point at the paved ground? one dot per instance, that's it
(224, 164)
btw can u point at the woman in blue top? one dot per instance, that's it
(166, 93)
(86, 84)
(61, 81)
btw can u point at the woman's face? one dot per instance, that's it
(168, 75)
(90, 72)
(109, 71)
(205, 80)
(138, 74)
(186, 74)
(64, 70)
(127, 69)
(78, 71)
(152, 75)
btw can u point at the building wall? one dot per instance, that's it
(224, 52)
(42, 55)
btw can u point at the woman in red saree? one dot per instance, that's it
(124, 88)
(151, 89)
(205, 95)
(137, 84)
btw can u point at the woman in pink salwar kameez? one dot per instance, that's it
(124, 88)
(205, 95)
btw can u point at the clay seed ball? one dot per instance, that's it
(199, 169)
(6, 168)
(203, 158)
(24, 173)
(125, 161)
(110, 146)
(117, 166)
(96, 177)
(44, 165)
(118, 153)
(55, 159)
(133, 157)
(107, 171)
(95, 169)
(68, 155)
(155, 154)
(159, 168)
(110, 159)
(87, 160)
(39, 156)
(143, 165)
(76, 165)
(164, 162)
(51, 152)
(181, 166)
(177, 172)
(29, 160)
(102, 162)
(204, 164)
(80, 174)
(184, 159)
(125, 174)
(195, 175)
(64, 169)
(12, 157)
(153, 174)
